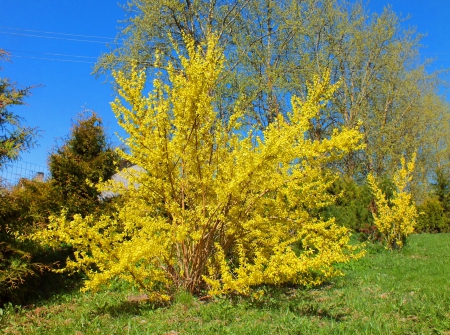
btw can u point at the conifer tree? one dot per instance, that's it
(14, 136)
(82, 161)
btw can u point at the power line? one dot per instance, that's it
(54, 59)
(53, 38)
(49, 53)
(57, 33)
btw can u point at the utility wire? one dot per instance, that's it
(56, 33)
(54, 59)
(54, 38)
(49, 53)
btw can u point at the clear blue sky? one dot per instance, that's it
(67, 83)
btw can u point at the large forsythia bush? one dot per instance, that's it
(395, 218)
(217, 205)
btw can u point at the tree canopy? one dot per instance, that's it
(274, 47)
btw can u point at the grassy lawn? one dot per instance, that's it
(386, 292)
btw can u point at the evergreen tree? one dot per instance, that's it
(14, 137)
(441, 189)
(81, 162)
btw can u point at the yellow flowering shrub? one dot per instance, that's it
(395, 218)
(217, 205)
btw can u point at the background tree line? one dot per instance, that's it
(274, 47)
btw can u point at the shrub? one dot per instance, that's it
(432, 218)
(441, 190)
(395, 218)
(352, 206)
(24, 209)
(217, 204)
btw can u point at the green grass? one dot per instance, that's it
(386, 292)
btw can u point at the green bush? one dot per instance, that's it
(432, 217)
(435, 210)
(75, 167)
(353, 206)
(23, 209)
(441, 190)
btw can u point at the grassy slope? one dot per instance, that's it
(384, 293)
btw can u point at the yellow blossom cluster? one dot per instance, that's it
(214, 205)
(395, 218)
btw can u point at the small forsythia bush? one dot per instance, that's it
(216, 204)
(395, 218)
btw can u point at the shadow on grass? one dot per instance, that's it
(44, 285)
(313, 309)
(123, 308)
(117, 306)
(298, 300)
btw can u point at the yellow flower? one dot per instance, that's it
(395, 218)
(215, 205)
